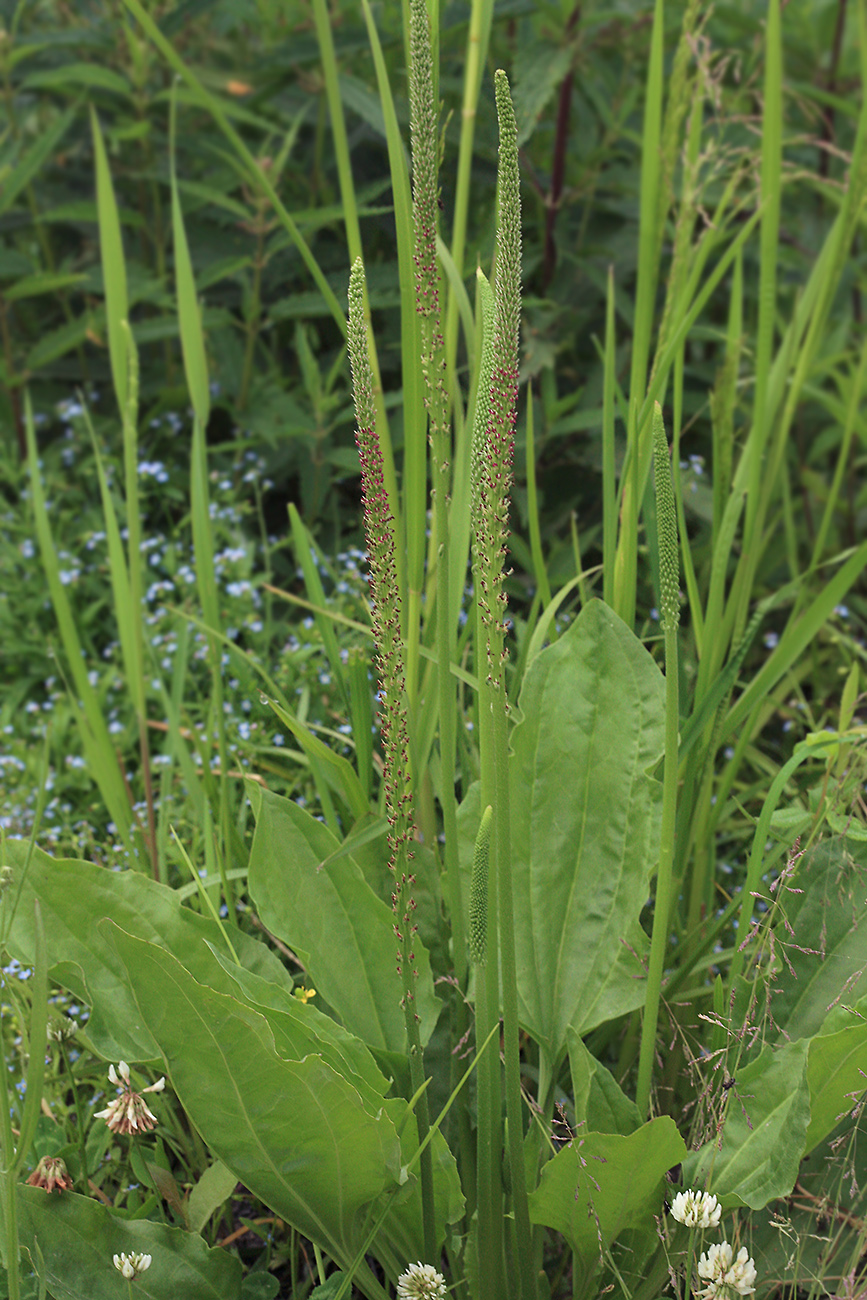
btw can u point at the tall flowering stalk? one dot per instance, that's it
(493, 445)
(494, 451)
(385, 612)
(425, 216)
(669, 577)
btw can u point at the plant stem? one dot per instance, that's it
(8, 1189)
(668, 567)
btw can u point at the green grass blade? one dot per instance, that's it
(609, 470)
(797, 637)
(856, 391)
(539, 569)
(648, 272)
(304, 558)
(97, 743)
(692, 591)
(723, 400)
(113, 267)
(189, 316)
(772, 163)
(361, 713)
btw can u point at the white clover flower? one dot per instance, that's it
(421, 1282)
(130, 1265)
(696, 1209)
(726, 1279)
(128, 1113)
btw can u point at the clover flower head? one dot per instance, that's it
(696, 1209)
(421, 1282)
(61, 1029)
(51, 1174)
(130, 1265)
(726, 1277)
(128, 1113)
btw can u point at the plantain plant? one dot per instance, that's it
(483, 1085)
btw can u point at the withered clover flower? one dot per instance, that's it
(128, 1113)
(52, 1174)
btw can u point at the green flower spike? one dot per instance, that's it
(385, 600)
(479, 890)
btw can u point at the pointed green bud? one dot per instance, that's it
(666, 527)
(478, 937)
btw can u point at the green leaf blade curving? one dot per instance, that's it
(583, 847)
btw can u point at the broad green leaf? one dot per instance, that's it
(211, 1191)
(78, 1236)
(299, 1028)
(329, 915)
(826, 909)
(836, 1074)
(765, 1129)
(603, 1184)
(73, 895)
(402, 1232)
(585, 826)
(296, 1133)
(600, 1103)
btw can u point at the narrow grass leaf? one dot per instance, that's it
(113, 266)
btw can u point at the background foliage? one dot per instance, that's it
(255, 624)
